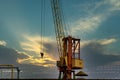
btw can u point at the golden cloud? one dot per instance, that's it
(32, 47)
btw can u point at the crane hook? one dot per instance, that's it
(42, 54)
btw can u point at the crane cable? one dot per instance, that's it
(42, 25)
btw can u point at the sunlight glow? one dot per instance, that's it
(32, 48)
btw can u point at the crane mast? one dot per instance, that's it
(68, 47)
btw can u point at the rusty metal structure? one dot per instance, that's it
(70, 61)
(9, 66)
(68, 47)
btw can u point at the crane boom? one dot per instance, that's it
(58, 24)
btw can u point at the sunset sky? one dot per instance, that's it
(95, 22)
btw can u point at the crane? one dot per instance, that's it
(10, 66)
(68, 47)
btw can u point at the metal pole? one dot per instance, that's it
(18, 72)
(74, 75)
(11, 71)
(59, 75)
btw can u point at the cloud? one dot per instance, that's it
(94, 15)
(87, 24)
(107, 41)
(96, 54)
(11, 56)
(3, 43)
(102, 42)
(7, 55)
(37, 72)
(33, 60)
(22, 54)
(115, 4)
(28, 70)
(33, 46)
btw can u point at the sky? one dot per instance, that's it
(27, 28)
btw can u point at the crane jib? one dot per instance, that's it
(58, 24)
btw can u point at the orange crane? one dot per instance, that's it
(68, 47)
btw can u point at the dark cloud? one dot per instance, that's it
(9, 56)
(52, 49)
(35, 72)
(94, 55)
